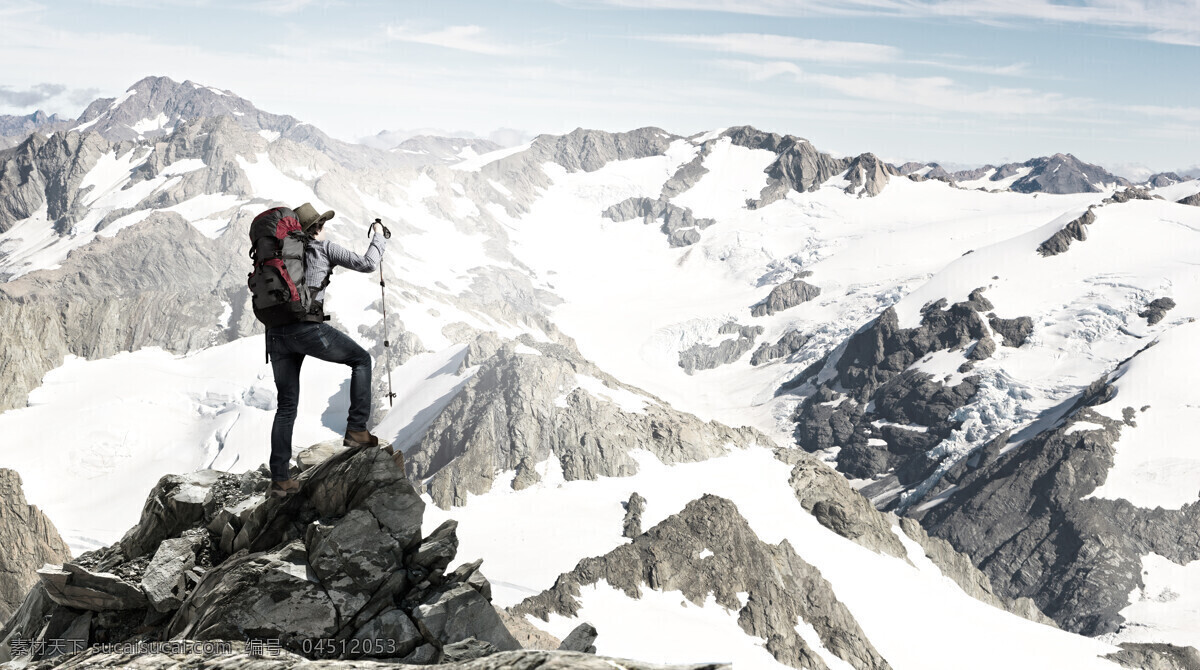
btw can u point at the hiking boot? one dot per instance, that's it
(360, 438)
(284, 487)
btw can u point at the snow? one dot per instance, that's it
(120, 100)
(526, 349)
(735, 174)
(1166, 608)
(985, 182)
(682, 631)
(268, 135)
(199, 210)
(183, 166)
(813, 640)
(137, 416)
(424, 385)
(1156, 463)
(1083, 425)
(627, 400)
(476, 163)
(528, 537)
(147, 125)
(268, 182)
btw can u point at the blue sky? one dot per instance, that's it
(965, 81)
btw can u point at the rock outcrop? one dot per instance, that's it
(1193, 200)
(785, 296)
(1025, 518)
(47, 173)
(678, 223)
(239, 657)
(709, 550)
(868, 175)
(799, 167)
(1064, 173)
(791, 342)
(702, 356)
(1061, 240)
(338, 569)
(520, 411)
(29, 540)
(1156, 310)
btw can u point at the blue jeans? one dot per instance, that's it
(287, 346)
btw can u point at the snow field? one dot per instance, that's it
(915, 617)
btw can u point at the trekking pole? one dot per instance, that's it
(387, 235)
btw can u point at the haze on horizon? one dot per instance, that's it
(965, 82)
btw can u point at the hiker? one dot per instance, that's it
(288, 344)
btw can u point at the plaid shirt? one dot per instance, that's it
(324, 255)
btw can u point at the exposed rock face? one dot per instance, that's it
(785, 296)
(1064, 173)
(1156, 310)
(519, 410)
(1060, 241)
(441, 149)
(868, 175)
(1130, 193)
(791, 342)
(581, 639)
(1154, 656)
(16, 128)
(29, 540)
(1023, 516)
(800, 167)
(213, 559)
(632, 526)
(887, 419)
(678, 223)
(782, 587)
(1193, 200)
(284, 660)
(1161, 179)
(47, 173)
(706, 357)
(121, 294)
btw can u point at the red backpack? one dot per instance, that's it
(277, 285)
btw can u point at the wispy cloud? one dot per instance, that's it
(786, 47)
(1167, 21)
(942, 94)
(29, 97)
(283, 7)
(463, 38)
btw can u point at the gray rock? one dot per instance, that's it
(706, 357)
(785, 296)
(528, 635)
(868, 175)
(632, 526)
(73, 586)
(175, 504)
(466, 650)
(459, 613)
(389, 634)
(1193, 200)
(791, 342)
(1060, 241)
(581, 639)
(510, 416)
(317, 453)
(832, 502)
(1013, 331)
(164, 583)
(1156, 656)
(285, 660)
(781, 587)
(352, 559)
(1063, 173)
(266, 595)
(28, 621)
(678, 223)
(985, 347)
(29, 540)
(437, 550)
(799, 167)
(469, 574)
(1130, 193)
(1156, 310)
(1160, 179)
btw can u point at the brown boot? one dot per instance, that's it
(284, 487)
(359, 438)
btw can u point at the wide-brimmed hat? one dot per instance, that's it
(307, 214)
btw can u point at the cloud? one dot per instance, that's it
(786, 47)
(31, 97)
(1166, 21)
(282, 7)
(936, 93)
(463, 38)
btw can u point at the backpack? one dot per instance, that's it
(278, 291)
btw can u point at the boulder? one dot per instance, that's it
(70, 585)
(460, 612)
(164, 583)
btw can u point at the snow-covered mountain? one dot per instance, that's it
(631, 366)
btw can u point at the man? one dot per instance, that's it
(287, 346)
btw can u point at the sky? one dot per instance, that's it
(963, 82)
